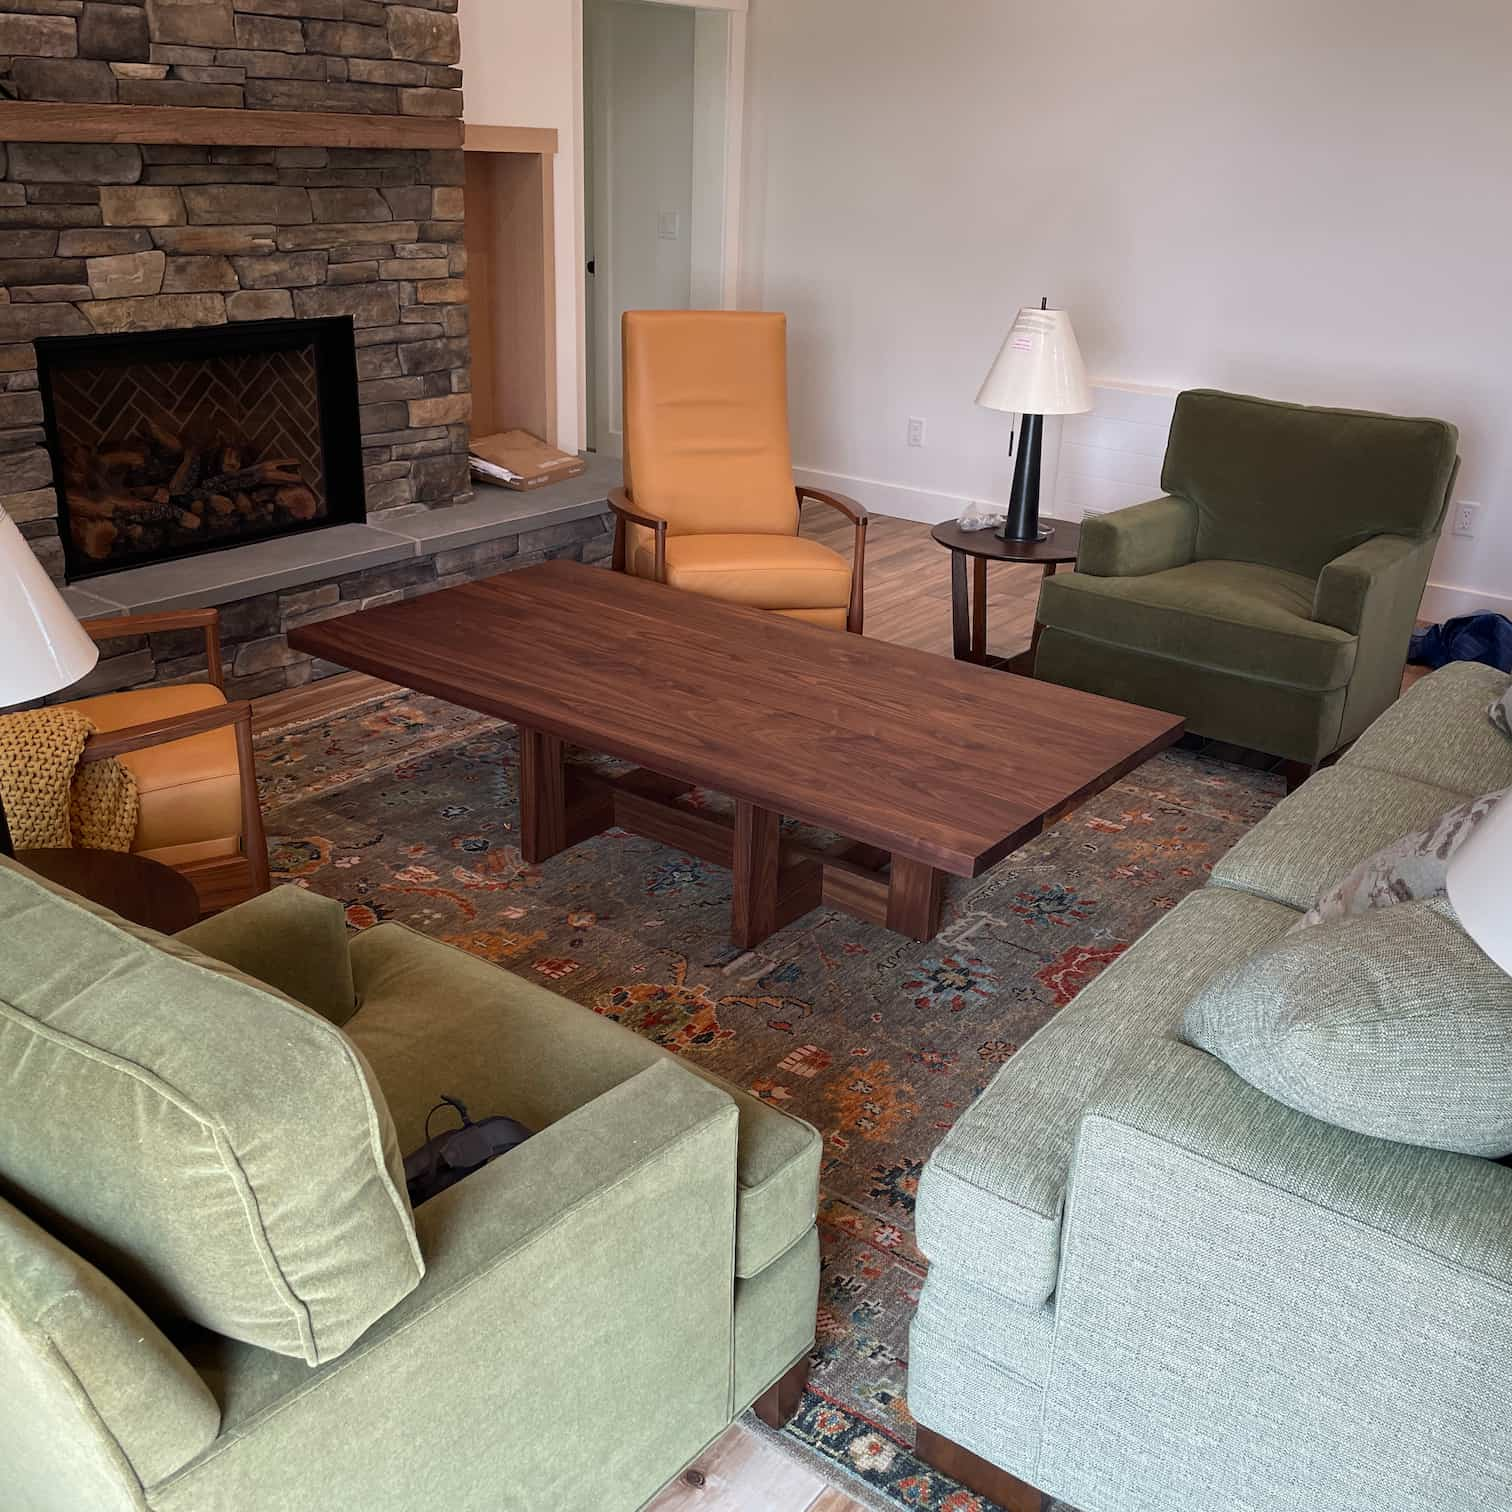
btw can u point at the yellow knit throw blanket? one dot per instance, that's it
(50, 800)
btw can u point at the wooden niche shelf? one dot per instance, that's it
(511, 275)
(175, 125)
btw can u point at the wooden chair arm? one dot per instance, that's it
(115, 626)
(112, 743)
(626, 513)
(847, 506)
(855, 614)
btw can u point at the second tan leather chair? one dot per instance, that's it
(709, 503)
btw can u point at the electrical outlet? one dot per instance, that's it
(1466, 517)
(916, 432)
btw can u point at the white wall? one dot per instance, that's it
(1296, 199)
(520, 63)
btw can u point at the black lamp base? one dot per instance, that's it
(1023, 523)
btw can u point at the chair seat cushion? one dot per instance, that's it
(763, 571)
(1230, 616)
(190, 790)
(221, 1152)
(436, 1020)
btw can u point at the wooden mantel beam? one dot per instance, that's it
(157, 125)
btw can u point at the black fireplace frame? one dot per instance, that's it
(334, 341)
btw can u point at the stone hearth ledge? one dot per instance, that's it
(242, 572)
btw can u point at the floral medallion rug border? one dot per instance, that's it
(404, 808)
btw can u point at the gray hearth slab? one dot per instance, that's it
(222, 577)
(86, 605)
(495, 511)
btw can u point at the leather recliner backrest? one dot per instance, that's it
(706, 422)
(1294, 486)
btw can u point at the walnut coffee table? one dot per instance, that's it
(925, 765)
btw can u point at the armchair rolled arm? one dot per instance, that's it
(625, 513)
(1380, 579)
(115, 626)
(1144, 538)
(854, 614)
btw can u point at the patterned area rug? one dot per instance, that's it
(405, 809)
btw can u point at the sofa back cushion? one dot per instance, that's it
(1293, 486)
(217, 1150)
(87, 1381)
(1393, 1023)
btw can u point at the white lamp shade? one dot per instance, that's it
(42, 646)
(1039, 371)
(1480, 884)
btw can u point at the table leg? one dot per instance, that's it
(979, 609)
(755, 865)
(960, 609)
(915, 891)
(543, 796)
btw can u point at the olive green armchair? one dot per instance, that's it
(1270, 595)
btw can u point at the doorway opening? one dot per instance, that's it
(661, 108)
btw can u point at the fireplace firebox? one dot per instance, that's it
(169, 443)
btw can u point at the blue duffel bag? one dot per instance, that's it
(1472, 637)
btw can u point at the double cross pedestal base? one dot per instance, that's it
(775, 880)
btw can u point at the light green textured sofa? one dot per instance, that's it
(1270, 596)
(574, 1323)
(1152, 1288)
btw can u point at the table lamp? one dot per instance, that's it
(1480, 884)
(1039, 372)
(42, 646)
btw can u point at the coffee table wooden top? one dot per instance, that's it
(937, 760)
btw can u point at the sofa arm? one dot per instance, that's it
(1375, 587)
(292, 939)
(1144, 538)
(1254, 1298)
(570, 1345)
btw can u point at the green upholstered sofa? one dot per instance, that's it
(1152, 1288)
(574, 1323)
(1269, 596)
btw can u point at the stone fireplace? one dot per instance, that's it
(192, 181)
(172, 443)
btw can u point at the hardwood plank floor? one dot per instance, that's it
(741, 1472)
(908, 585)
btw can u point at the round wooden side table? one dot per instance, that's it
(145, 892)
(968, 612)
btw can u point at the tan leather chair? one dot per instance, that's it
(190, 752)
(709, 503)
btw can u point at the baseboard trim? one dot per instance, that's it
(1442, 601)
(895, 499)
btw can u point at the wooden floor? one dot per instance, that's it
(908, 585)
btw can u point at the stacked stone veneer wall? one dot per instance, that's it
(349, 56)
(108, 239)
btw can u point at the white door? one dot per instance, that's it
(661, 153)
